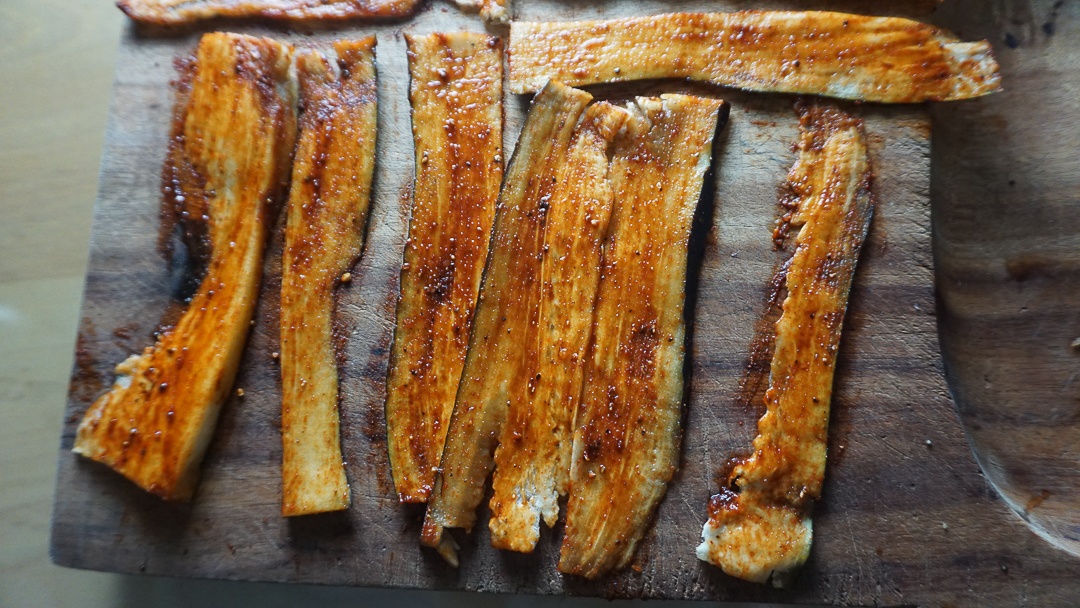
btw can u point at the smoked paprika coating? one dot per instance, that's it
(759, 524)
(532, 462)
(626, 445)
(493, 375)
(183, 12)
(883, 59)
(456, 95)
(227, 164)
(325, 219)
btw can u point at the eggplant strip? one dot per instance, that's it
(882, 59)
(456, 94)
(498, 350)
(532, 462)
(185, 12)
(626, 446)
(759, 524)
(228, 161)
(325, 219)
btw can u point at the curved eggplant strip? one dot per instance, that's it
(882, 59)
(759, 524)
(228, 161)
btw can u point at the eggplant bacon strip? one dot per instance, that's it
(185, 12)
(882, 59)
(228, 161)
(494, 11)
(456, 94)
(327, 211)
(626, 445)
(495, 365)
(532, 462)
(759, 524)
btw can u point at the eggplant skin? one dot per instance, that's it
(759, 525)
(228, 161)
(185, 12)
(325, 218)
(626, 443)
(881, 59)
(456, 95)
(507, 307)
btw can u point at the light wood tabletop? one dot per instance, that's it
(57, 65)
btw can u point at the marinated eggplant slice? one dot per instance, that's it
(626, 445)
(456, 94)
(228, 162)
(184, 12)
(498, 352)
(532, 462)
(759, 524)
(325, 219)
(883, 59)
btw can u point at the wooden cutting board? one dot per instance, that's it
(907, 518)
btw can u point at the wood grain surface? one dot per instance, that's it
(1006, 193)
(906, 519)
